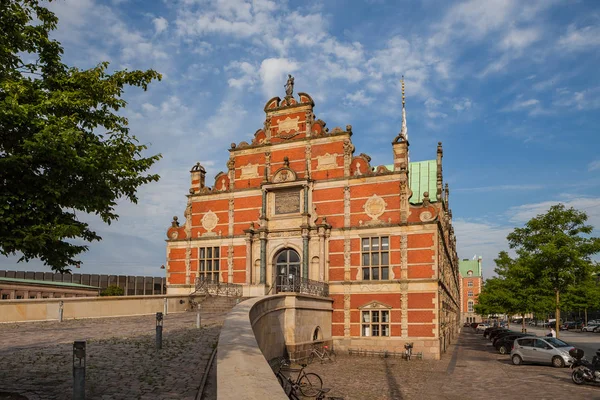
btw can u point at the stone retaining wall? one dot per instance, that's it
(264, 328)
(88, 307)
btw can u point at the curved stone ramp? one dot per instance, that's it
(262, 329)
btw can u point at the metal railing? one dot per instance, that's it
(296, 284)
(216, 288)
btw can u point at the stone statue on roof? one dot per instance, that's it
(289, 86)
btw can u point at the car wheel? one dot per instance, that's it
(517, 360)
(558, 362)
(502, 350)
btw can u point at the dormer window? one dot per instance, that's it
(470, 273)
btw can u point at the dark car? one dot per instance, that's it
(488, 331)
(497, 332)
(505, 343)
(571, 325)
(501, 335)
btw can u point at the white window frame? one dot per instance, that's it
(375, 323)
(470, 306)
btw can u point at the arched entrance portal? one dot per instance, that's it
(287, 265)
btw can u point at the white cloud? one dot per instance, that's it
(523, 213)
(588, 99)
(160, 25)
(577, 39)
(273, 71)
(463, 104)
(358, 98)
(481, 238)
(533, 107)
(594, 165)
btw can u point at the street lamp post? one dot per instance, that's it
(159, 328)
(79, 362)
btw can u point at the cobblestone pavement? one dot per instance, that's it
(471, 369)
(122, 362)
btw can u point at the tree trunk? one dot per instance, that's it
(523, 322)
(557, 322)
(586, 316)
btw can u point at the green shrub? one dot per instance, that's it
(113, 290)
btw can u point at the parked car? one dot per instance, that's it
(589, 327)
(466, 324)
(497, 332)
(545, 350)
(571, 325)
(482, 327)
(487, 331)
(505, 343)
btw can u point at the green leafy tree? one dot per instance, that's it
(555, 248)
(64, 149)
(113, 290)
(582, 296)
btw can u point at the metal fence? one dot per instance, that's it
(296, 284)
(216, 288)
(132, 285)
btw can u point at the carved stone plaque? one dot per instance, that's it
(249, 171)
(210, 221)
(287, 202)
(328, 161)
(288, 124)
(374, 207)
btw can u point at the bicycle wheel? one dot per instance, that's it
(332, 355)
(310, 384)
(311, 358)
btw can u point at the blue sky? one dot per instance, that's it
(512, 91)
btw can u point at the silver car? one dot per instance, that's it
(547, 350)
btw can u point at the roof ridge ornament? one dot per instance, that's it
(404, 130)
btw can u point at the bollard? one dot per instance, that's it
(159, 327)
(79, 361)
(166, 307)
(60, 311)
(198, 318)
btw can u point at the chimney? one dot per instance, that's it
(198, 176)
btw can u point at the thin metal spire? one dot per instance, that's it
(404, 130)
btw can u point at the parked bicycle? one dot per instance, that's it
(408, 350)
(324, 354)
(308, 383)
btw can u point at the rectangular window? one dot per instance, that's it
(470, 293)
(375, 323)
(5, 296)
(470, 306)
(470, 284)
(375, 258)
(209, 263)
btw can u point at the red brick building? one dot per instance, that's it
(300, 202)
(471, 284)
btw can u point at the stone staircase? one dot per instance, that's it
(217, 304)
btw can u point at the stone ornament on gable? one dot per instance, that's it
(375, 207)
(327, 161)
(284, 175)
(210, 221)
(288, 125)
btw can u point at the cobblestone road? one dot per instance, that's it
(122, 363)
(472, 369)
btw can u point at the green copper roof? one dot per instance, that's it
(423, 178)
(47, 283)
(469, 265)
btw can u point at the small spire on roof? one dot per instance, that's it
(404, 130)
